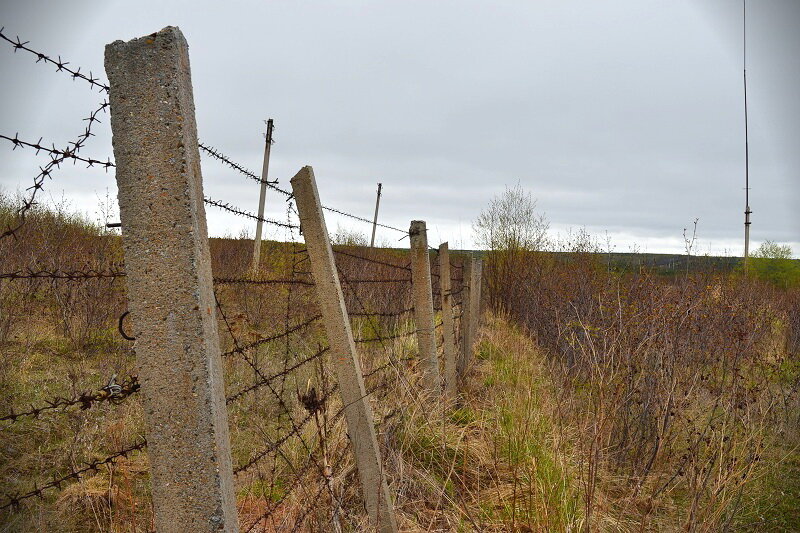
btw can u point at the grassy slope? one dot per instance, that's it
(508, 464)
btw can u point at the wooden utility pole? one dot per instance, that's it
(375, 220)
(262, 198)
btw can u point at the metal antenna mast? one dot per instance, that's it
(746, 141)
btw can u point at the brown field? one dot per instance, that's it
(597, 401)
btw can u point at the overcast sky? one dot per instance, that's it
(624, 117)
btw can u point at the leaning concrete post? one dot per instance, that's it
(423, 307)
(448, 328)
(466, 315)
(357, 411)
(170, 292)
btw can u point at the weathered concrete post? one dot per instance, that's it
(170, 292)
(423, 307)
(466, 316)
(358, 412)
(448, 327)
(475, 298)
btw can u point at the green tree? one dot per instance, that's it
(773, 262)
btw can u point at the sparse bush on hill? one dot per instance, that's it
(773, 262)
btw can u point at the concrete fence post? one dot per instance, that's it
(423, 308)
(466, 316)
(475, 299)
(448, 327)
(170, 293)
(357, 411)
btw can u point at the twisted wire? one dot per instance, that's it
(13, 501)
(242, 213)
(47, 170)
(60, 64)
(112, 393)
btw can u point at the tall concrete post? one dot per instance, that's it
(357, 411)
(423, 307)
(466, 316)
(448, 327)
(169, 281)
(475, 298)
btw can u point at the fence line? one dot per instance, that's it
(287, 438)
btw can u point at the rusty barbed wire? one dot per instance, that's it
(288, 370)
(60, 64)
(114, 393)
(219, 156)
(384, 314)
(55, 162)
(295, 431)
(240, 212)
(55, 152)
(250, 281)
(370, 260)
(387, 280)
(297, 327)
(298, 475)
(361, 219)
(386, 366)
(14, 500)
(69, 275)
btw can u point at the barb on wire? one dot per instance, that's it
(298, 476)
(370, 260)
(236, 211)
(55, 152)
(265, 340)
(232, 281)
(383, 314)
(60, 64)
(114, 393)
(69, 275)
(15, 500)
(219, 156)
(258, 457)
(402, 280)
(386, 366)
(45, 172)
(269, 379)
(361, 219)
